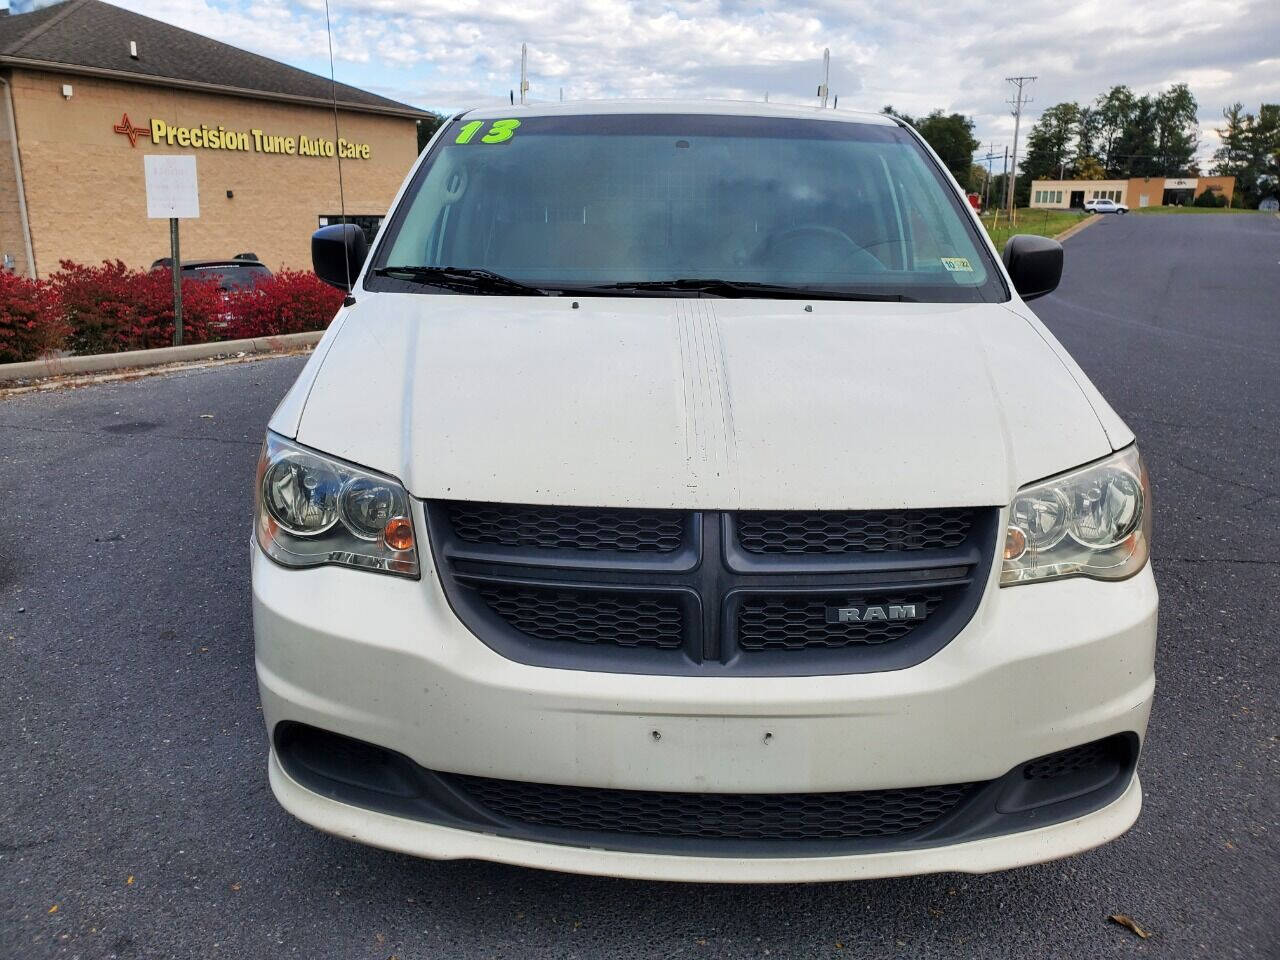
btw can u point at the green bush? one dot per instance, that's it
(1210, 198)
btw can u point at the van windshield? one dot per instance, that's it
(625, 204)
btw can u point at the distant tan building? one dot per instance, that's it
(88, 89)
(1134, 192)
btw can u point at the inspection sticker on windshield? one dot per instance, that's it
(957, 264)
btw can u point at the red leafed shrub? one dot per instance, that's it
(31, 322)
(111, 307)
(288, 302)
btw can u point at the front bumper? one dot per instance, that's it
(445, 843)
(1039, 669)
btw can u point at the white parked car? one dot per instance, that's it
(686, 491)
(1105, 206)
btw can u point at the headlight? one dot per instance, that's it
(313, 510)
(1092, 522)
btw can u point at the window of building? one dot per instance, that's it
(1057, 196)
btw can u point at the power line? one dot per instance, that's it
(1020, 99)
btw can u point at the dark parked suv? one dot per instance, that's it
(234, 274)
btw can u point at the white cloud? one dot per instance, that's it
(455, 53)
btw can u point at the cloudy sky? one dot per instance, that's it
(447, 54)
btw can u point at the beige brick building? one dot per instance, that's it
(87, 90)
(1135, 192)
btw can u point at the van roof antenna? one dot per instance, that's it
(524, 72)
(333, 90)
(826, 75)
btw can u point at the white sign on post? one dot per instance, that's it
(171, 187)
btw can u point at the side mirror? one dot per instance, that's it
(1034, 264)
(337, 254)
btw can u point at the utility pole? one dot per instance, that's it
(524, 72)
(986, 185)
(826, 77)
(1020, 99)
(1004, 173)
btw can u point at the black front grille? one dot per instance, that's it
(852, 531)
(711, 592)
(717, 816)
(1088, 756)
(568, 528)
(588, 616)
(790, 622)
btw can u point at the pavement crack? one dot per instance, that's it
(1253, 351)
(148, 436)
(1160, 561)
(7, 848)
(1262, 493)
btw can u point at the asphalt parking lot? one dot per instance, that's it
(135, 818)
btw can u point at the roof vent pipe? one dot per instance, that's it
(133, 49)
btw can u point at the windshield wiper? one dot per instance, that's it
(468, 279)
(745, 288)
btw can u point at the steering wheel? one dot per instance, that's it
(846, 255)
(816, 228)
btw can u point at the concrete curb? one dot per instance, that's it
(1072, 230)
(62, 366)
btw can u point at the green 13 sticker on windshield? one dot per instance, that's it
(500, 131)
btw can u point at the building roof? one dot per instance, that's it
(89, 36)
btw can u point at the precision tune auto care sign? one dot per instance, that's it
(219, 137)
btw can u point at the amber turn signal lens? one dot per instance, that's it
(398, 533)
(1015, 543)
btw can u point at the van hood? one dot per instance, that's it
(695, 403)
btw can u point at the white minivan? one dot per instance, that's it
(686, 491)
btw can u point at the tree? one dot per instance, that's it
(951, 136)
(1177, 131)
(1250, 151)
(1049, 143)
(1088, 128)
(1088, 168)
(1114, 110)
(1134, 150)
(427, 128)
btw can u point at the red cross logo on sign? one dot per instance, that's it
(129, 130)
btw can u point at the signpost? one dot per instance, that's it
(172, 193)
